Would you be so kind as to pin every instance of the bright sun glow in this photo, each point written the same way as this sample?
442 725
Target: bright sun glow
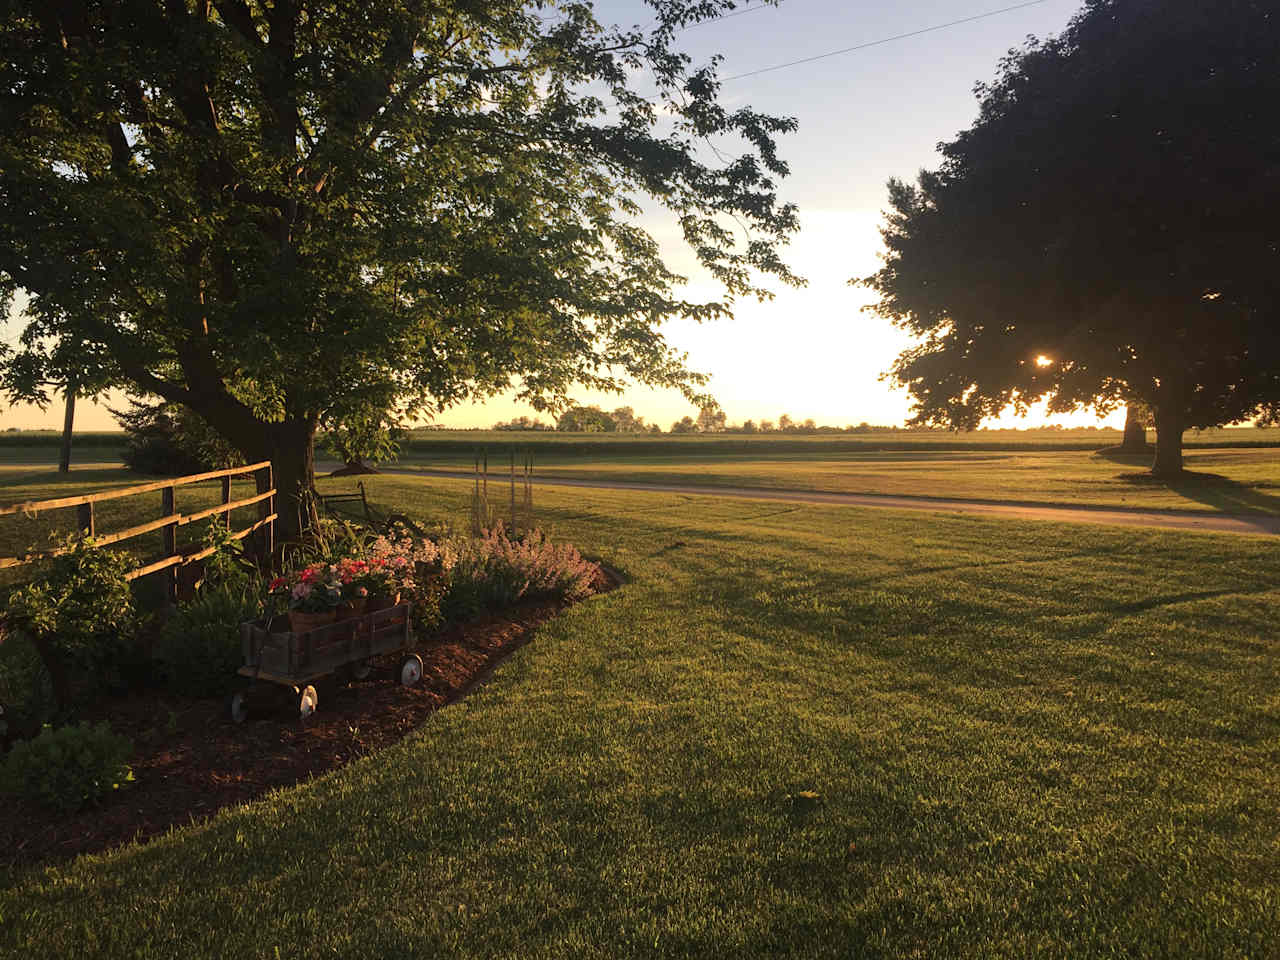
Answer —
1043 361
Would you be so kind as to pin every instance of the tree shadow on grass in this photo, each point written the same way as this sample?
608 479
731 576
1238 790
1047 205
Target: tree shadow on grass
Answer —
1211 489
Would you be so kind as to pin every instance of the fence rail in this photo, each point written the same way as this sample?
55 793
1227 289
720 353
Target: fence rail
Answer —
169 521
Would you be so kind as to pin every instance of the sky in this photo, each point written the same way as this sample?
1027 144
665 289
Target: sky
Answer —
864 116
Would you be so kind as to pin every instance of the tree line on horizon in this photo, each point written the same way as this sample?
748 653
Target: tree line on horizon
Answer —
594 419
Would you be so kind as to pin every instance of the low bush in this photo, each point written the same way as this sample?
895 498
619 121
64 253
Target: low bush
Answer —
79 617
494 571
198 649
26 693
66 769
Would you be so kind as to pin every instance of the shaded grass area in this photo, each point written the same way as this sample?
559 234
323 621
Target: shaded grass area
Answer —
1229 480
805 731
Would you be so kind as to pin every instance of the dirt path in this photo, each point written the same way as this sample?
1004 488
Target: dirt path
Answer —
1202 521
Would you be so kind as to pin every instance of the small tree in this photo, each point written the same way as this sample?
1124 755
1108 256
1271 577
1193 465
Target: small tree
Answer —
170 439
585 420
1136 417
626 421
711 419
684 425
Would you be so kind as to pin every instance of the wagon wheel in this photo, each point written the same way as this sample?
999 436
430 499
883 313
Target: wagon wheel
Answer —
361 669
238 705
411 670
308 701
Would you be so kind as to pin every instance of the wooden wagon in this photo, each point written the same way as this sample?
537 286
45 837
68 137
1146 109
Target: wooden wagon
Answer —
296 661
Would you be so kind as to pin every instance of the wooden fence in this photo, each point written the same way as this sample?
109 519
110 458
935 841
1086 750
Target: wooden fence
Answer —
169 521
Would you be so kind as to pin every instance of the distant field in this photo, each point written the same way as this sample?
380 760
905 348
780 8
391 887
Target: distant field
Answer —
1231 479
464 443
41 445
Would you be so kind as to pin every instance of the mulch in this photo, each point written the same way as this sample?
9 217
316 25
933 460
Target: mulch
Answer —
190 760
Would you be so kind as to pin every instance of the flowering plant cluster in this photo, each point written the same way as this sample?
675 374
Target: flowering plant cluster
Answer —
363 580
404 555
495 571
313 589
460 576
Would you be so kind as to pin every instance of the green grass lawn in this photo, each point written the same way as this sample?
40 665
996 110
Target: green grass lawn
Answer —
1024 740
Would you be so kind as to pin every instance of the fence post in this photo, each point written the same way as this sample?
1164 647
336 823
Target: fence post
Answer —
84 519
168 507
265 480
226 498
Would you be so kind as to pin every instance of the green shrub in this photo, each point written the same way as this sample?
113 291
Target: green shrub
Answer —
427 598
26 695
67 768
199 647
79 616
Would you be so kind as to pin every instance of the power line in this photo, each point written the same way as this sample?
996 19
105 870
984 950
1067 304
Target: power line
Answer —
876 43
736 13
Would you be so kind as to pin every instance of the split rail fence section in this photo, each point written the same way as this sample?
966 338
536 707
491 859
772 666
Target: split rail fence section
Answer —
168 522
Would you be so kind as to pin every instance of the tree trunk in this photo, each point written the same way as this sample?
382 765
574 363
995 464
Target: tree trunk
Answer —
1135 431
1170 424
68 421
291 450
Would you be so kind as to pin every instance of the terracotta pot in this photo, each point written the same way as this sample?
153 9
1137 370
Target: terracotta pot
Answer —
301 622
380 603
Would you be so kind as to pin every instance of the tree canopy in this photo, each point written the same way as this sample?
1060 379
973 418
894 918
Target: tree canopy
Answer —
287 213
590 419
1107 230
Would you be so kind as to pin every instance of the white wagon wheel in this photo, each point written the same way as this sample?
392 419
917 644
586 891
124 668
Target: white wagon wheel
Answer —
238 706
411 670
308 701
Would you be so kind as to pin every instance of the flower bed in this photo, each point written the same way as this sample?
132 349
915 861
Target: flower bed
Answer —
188 759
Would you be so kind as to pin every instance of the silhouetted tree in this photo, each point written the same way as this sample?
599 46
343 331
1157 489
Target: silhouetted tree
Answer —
585 420
684 425
626 421
711 420
1108 230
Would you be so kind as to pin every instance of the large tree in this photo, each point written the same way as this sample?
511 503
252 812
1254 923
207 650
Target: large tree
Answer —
294 212
1108 231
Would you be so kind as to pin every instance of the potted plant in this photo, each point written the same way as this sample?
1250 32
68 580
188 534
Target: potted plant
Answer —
361 581
312 596
400 563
